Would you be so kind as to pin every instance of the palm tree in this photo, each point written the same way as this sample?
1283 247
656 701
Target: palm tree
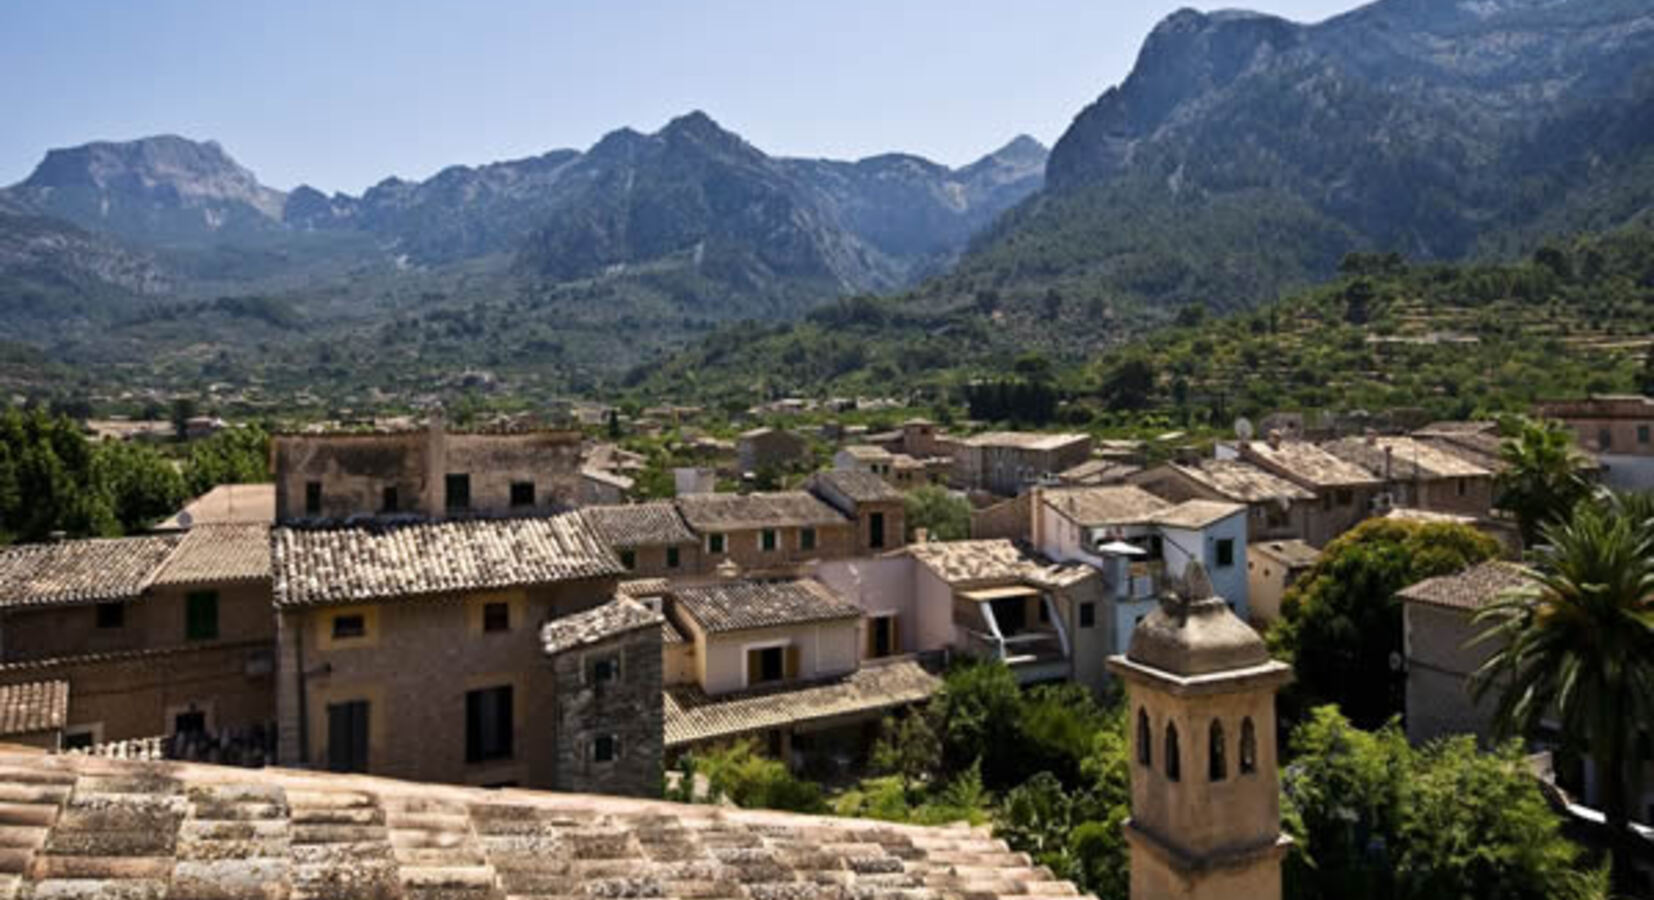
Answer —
1541 482
1575 646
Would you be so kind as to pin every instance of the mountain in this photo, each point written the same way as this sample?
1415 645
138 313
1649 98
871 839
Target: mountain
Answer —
1245 153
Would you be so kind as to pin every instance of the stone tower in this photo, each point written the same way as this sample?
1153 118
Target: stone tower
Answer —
1205 788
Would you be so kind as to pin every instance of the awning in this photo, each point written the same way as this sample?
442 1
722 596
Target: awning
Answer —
989 595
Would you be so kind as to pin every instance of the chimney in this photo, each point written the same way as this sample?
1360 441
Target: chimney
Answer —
1275 438
921 535
1371 436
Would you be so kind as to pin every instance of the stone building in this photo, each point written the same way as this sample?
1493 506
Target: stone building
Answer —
430 472
767 531
1008 462
1277 509
1417 474
154 636
415 650
770 449
1437 635
1271 568
608 728
1345 493
1618 429
651 539
33 713
1205 784
876 507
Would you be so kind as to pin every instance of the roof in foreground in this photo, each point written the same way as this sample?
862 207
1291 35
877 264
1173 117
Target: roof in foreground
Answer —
653 524
348 565
600 623
212 554
33 707
226 504
1470 589
692 716
81 571
776 509
104 827
739 605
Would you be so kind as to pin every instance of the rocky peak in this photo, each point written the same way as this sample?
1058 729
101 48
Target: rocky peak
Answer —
192 171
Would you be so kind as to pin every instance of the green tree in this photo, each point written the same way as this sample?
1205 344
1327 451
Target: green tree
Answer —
751 780
232 456
183 410
979 710
1129 385
1577 645
141 485
1541 482
908 749
1375 818
1341 623
944 516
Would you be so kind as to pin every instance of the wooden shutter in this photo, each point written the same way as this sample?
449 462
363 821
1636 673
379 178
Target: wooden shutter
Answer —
872 649
755 666
792 661
896 635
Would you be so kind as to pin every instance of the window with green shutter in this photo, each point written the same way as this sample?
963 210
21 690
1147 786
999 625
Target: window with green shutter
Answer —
201 616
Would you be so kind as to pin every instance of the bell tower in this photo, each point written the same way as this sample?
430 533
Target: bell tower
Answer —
1205 787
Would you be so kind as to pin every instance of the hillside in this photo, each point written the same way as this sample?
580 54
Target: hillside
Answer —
1444 339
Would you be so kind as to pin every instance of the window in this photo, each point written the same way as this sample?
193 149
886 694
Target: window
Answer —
351 626
522 493
1345 496
312 498
671 557
807 539
714 543
201 616
770 664
1174 760
347 736
1248 747
496 617
604 669
1217 764
388 501
78 740
1605 439
1145 739
628 558
1463 485
606 748
111 615
1642 434
1088 615
488 728
1226 552
192 722
1326 503
766 540
875 530
881 637
457 492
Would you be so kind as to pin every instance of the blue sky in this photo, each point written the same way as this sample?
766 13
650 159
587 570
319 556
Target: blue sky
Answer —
341 94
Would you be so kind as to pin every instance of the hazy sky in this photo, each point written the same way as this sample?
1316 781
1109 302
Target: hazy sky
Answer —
342 93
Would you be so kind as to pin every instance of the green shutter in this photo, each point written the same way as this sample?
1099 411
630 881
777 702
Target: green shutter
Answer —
201 616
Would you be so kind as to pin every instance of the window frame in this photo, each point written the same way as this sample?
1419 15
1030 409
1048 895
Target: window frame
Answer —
674 558
806 538
769 540
390 500
1223 553
628 559
201 616
111 616
360 633
492 608
1088 614
480 747
451 498
312 498
613 756
518 502
717 543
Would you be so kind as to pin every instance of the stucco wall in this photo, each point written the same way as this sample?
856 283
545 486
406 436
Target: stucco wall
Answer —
823 649
1439 664
880 586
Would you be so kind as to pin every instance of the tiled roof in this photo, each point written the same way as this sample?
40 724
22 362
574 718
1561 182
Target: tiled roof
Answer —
1025 440
1309 464
81 571
778 509
1404 458
87 826
654 524
859 487
1196 513
967 562
1294 553
347 565
226 504
218 553
1244 482
612 479
1443 429
739 605
599 623
865 452
1470 589
692 716
1098 471
33 707
1414 514
1115 504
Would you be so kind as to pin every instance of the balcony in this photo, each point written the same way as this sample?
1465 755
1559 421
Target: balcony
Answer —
1018 626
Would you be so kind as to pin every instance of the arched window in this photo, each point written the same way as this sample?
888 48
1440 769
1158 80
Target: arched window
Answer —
1249 747
1217 762
1145 739
1174 759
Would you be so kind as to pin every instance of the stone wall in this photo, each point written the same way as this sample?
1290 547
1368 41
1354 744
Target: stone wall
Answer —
626 710
745 548
154 621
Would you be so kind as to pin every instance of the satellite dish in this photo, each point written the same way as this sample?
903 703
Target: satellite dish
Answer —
185 520
1244 430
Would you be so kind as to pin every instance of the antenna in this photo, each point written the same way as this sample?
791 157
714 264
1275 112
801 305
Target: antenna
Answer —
1244 430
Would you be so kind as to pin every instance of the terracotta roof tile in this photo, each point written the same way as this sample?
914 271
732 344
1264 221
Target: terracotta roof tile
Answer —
1405 458
967 562
1025 440
739 605
654 524
857 486
1309 464
1294 553
599 623
227 504
779 509
218 553
692 716
1196 513
1116 504
1244 482
349 565
32 707
81 571
1470 589
111 827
